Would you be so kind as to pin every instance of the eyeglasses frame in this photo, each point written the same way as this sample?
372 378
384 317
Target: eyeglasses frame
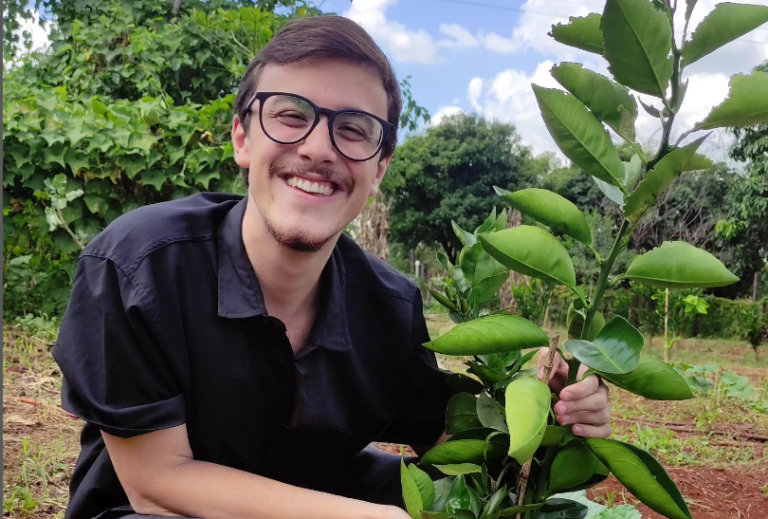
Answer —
387 127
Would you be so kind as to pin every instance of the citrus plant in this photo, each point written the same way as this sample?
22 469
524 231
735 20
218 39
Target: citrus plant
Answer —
507 456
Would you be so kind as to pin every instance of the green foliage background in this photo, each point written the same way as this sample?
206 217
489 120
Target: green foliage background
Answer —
131 105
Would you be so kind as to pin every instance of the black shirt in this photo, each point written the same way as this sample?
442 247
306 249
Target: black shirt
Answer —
167 326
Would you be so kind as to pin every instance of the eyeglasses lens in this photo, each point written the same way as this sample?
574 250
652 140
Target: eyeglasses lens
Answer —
288 119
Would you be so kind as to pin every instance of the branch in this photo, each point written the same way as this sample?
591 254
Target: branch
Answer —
176 7
68 229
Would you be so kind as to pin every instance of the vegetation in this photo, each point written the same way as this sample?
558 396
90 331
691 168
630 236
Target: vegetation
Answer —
502 424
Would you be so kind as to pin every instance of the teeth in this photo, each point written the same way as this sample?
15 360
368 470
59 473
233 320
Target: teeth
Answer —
310 187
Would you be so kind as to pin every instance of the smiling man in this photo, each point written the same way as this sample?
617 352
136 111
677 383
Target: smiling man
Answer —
233 357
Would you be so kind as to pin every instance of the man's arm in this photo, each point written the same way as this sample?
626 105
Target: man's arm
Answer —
160 477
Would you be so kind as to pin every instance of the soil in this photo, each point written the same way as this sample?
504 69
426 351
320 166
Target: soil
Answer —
738 492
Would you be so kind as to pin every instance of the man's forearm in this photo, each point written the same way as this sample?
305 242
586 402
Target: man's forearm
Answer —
201 489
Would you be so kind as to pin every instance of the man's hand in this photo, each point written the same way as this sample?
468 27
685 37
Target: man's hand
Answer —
584 404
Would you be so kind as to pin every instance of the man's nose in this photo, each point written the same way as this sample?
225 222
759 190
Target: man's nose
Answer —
317 146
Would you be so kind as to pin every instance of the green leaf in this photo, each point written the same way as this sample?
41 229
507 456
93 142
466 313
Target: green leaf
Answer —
490 334
658 180
642 475
745 105
609 101
495 501
483 273
679 265
155 178
698 162
616 349
490 413
724 24
442 489
76 134
580 32
464 451
440 298
425 485
575 323
142 141
531 251
462 497
76 159
514 510
559 508
579 134
652 379
573 465
457 469
551 209
96 204
552 435
413 502
461 413
465 237
528 403
488 224
638 40
54 153
460 383
487 374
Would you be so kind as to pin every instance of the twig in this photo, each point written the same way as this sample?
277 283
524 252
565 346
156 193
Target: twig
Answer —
525 471
37 403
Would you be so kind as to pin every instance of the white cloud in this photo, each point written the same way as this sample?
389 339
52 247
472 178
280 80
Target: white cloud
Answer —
402 44
460 38
508 98
442 113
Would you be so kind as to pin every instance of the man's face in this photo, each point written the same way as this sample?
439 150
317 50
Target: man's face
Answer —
277 172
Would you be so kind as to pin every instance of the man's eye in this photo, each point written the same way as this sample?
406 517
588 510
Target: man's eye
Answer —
292 117
352 132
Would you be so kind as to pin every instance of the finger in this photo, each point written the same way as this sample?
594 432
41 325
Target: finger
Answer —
592 431
594 402
580 389
601 417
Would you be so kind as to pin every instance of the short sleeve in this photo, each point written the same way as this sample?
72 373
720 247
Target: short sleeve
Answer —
116 376
421 420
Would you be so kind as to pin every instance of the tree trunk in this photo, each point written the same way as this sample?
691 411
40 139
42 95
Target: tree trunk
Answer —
374 229
755 286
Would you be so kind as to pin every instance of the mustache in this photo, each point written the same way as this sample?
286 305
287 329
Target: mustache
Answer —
328 173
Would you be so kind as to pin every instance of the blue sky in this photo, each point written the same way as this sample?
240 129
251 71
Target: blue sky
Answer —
482 56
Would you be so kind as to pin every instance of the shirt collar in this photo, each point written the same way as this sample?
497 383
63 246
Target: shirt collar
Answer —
240 295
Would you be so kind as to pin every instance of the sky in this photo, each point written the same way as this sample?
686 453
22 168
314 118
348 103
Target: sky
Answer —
482 56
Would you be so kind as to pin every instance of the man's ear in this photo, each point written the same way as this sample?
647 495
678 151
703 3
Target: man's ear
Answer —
241 144
381 170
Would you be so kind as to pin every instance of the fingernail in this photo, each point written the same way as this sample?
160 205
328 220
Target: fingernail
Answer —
578 429
565 419
541 373
567 395
563 409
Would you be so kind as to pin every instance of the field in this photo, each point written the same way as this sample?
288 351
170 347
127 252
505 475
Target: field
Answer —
715 446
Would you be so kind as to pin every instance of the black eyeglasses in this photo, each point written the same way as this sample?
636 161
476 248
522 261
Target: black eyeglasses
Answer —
289 118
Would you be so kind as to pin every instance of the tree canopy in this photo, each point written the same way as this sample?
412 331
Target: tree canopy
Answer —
448 173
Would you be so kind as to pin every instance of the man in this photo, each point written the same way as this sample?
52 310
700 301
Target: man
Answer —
234 357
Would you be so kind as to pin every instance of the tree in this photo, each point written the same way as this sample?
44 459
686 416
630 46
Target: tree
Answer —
448 174
744 227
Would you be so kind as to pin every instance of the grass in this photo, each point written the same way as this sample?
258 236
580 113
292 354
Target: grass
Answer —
41 441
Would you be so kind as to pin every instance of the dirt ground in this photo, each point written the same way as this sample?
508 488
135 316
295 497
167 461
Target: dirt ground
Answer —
714 448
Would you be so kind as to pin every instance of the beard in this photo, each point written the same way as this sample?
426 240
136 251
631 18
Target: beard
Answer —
296 241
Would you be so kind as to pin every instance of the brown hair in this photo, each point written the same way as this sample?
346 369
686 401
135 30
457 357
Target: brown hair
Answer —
323 38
